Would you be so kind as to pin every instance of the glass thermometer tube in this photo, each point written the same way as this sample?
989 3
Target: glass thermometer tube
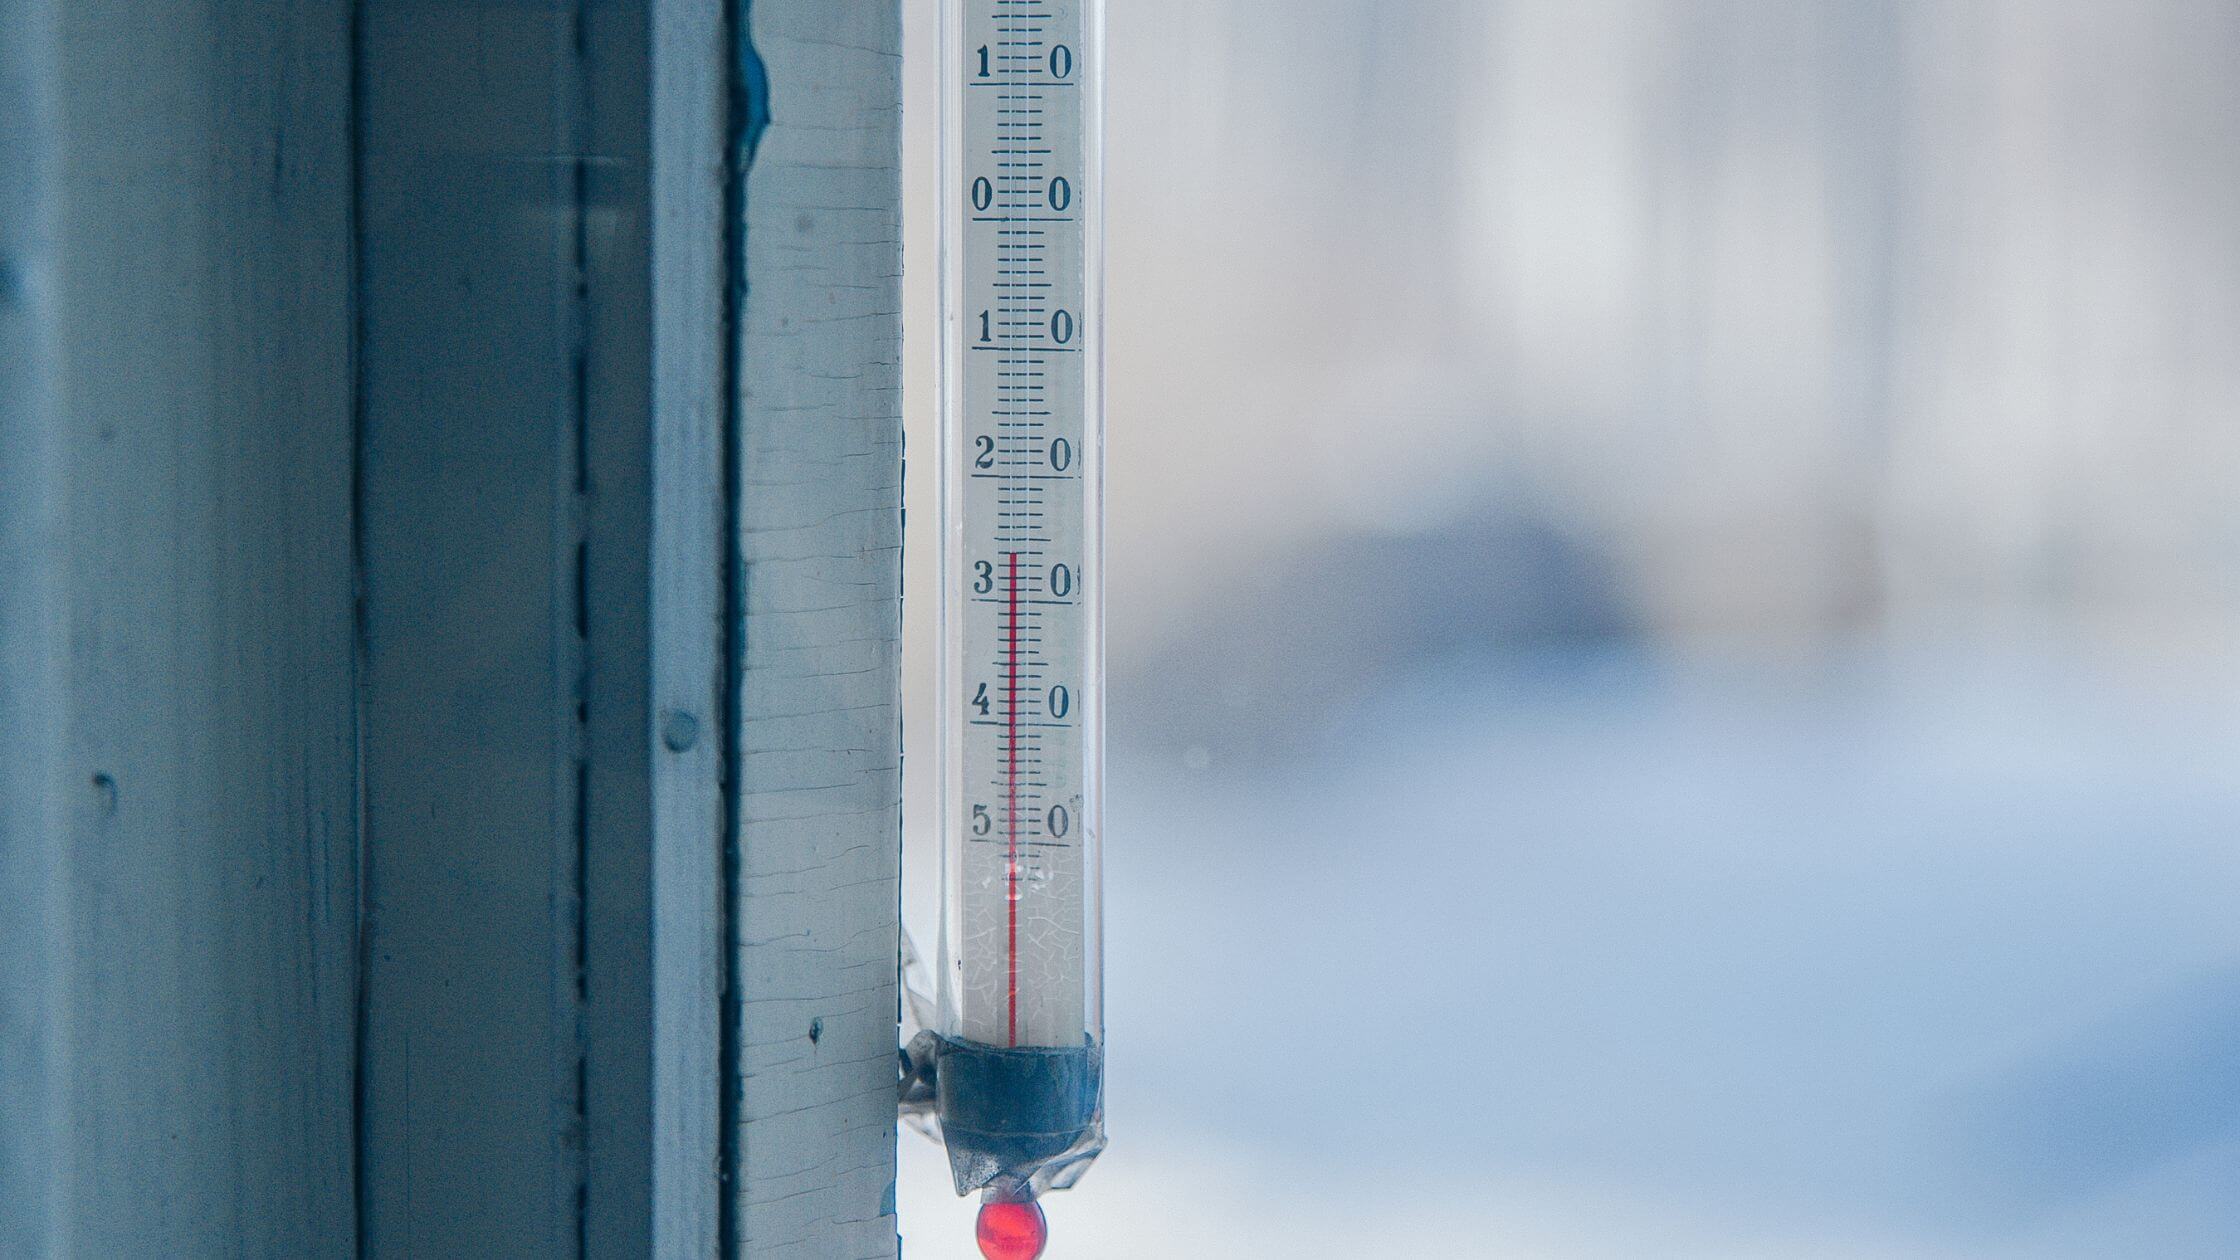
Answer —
1020 1019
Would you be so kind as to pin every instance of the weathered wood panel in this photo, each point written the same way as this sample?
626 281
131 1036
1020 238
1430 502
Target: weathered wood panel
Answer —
616 486
472 234
542 440
540 326
176 874
34 646
691 94
818 757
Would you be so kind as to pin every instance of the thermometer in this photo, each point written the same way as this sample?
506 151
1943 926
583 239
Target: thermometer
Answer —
1017 1043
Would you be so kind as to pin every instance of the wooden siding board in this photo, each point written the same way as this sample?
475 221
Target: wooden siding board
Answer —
473 1131
818 758
691 95
186 785
35 1163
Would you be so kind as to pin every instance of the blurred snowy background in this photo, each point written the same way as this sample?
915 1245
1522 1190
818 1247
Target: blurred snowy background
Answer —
1675 607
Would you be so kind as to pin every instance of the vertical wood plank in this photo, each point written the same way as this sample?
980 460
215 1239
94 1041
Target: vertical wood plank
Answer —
617 839
35 1164
543 489
543 295
471 233
818 758
178 809
691 95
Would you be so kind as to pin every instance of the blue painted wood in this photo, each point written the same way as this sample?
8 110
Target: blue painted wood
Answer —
818 826
543 414
537 697
35 792
691 95
177 885
472 227
614 43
